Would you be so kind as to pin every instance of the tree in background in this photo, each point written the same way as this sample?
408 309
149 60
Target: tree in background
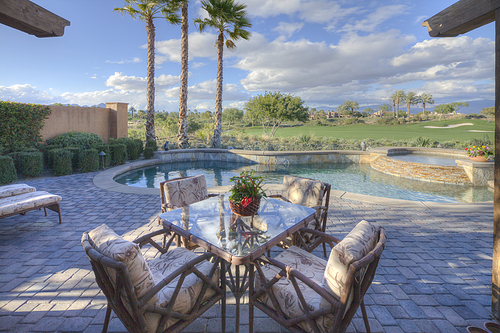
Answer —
272 109
147 10
449 108
132 110
396 98
182 135
489 113
232 115
410 99
348 106
425 99
230 20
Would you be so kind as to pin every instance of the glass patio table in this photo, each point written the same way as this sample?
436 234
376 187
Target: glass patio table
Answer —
238 240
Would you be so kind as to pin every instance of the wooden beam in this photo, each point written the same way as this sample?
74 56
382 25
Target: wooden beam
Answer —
29 17
461 17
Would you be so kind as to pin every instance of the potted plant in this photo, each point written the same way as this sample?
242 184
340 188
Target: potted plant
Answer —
480 153
246 193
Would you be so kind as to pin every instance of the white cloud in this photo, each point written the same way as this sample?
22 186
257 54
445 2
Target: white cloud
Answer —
288 28
24 93
206 91
133 83
374 19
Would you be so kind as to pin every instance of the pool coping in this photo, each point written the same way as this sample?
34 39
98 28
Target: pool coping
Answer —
104 180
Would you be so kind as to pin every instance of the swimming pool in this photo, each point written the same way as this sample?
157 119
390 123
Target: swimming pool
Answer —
354 178
429 159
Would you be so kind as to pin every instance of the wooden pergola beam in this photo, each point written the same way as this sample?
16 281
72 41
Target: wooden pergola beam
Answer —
461 17
29 17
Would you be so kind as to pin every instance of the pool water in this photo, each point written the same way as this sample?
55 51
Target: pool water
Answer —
429 159
354 178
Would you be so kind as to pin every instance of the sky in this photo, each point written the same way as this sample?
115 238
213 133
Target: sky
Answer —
323 51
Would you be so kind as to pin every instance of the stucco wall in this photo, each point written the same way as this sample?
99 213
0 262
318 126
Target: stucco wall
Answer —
110 122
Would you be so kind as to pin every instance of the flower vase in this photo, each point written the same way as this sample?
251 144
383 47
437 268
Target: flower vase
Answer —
249 210
479 159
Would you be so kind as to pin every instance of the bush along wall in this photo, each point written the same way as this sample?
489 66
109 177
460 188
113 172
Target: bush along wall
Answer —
76 139
152 144
48 155
118 153
76 155
21 124
148 152
7 170
31 164
61 162
107 157
89 160
134 147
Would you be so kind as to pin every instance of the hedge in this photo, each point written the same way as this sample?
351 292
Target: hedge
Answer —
118 153
76 155
74 138
89 160
61 162
148 152
107 157
152 144
134 147
21 124
7 170
31 164
48 154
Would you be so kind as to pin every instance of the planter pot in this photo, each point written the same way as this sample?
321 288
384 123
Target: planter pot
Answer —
479 159
249 210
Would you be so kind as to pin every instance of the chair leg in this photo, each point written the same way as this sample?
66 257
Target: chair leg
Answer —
106 319
365 317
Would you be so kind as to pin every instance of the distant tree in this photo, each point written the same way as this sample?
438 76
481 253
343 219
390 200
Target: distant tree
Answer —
141 114
132 110
425 99
458 105
396 98
321 114
232 115
230 20
207 115
443 109
350 105
410 99
489 113
384 108
368 110
274 108
147 10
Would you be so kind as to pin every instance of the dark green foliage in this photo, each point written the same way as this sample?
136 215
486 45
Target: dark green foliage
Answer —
61 162
21 124
89 160
118 153
148 152
48 154
134 147
15 155
76 155
152 144
81 139
107 158
140 145
7 170
31 164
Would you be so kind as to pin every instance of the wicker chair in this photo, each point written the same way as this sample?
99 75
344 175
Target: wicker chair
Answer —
179 192
305 293
165 294
311 193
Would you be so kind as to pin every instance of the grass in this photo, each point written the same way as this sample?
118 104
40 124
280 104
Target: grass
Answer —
392 132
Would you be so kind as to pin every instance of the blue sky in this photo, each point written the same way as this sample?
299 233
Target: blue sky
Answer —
326 52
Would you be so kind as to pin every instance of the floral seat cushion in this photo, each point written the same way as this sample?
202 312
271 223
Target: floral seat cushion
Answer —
304 192
26 201
15 189
185 191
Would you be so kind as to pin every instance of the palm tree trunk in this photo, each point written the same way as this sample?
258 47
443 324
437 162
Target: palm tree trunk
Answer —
150 118
216 141
423 105
397 107
182 135
394 108
408 110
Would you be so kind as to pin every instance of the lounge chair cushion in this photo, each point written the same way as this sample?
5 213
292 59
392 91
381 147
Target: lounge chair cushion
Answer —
186 191
361 240
15 189
26 201
311 266
166 264
300 191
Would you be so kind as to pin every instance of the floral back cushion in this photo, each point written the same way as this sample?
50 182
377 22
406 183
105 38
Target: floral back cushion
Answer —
185 191
302 191
361 240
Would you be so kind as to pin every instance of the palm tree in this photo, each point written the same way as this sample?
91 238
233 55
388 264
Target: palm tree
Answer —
182 135
397 97
147 10
425 98
223 15
411 99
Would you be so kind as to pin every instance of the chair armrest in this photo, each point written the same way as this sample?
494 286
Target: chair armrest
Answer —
320 238
210 195
278 196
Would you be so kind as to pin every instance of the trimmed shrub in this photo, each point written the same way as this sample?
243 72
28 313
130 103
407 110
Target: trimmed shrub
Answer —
61 162
89 160
140 145
107 158
81 139
148 152
47 154
7 170
31 164
152 144
133 147
76 155
118 153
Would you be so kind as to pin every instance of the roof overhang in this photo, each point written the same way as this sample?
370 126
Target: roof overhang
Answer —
29 17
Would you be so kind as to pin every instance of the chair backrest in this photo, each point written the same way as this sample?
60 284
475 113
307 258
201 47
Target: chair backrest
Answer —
113 278
305 191
184 191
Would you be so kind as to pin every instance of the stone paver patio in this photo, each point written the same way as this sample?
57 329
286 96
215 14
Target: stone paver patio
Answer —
434 275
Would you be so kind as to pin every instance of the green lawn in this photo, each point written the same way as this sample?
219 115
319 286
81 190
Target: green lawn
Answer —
394 132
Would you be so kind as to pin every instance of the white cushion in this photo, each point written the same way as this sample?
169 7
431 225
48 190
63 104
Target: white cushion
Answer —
15 189
182 192
22 202
301 191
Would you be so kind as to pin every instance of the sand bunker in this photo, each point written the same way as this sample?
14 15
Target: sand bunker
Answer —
480 131
451 126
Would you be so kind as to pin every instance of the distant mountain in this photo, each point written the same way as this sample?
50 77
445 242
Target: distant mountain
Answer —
475 107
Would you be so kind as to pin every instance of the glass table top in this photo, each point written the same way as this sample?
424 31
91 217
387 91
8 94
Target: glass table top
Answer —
213 221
